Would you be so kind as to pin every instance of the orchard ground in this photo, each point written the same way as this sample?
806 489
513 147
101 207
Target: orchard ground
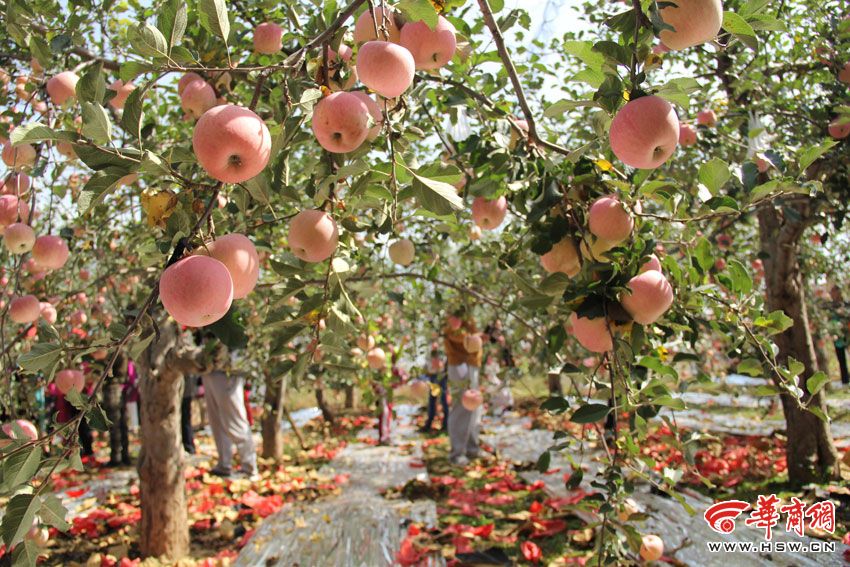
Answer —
496 511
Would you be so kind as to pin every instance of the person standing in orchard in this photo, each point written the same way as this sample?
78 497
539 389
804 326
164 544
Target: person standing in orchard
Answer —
225 397
437 375
463 353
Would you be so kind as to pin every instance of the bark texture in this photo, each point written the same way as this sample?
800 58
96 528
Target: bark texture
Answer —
811 453
164 529
273 416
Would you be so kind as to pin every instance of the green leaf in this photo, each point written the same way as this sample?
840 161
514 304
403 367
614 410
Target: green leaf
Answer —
714 174
418 11
750 367
131 120
563 106
96 123
132 69
99 186
42 357
38 132
26 554
556 404
172 21
92 86
53 512
816 381
704 254
148 41
20 468
807 156
214 17
679 91
97 419
738 26
740 277
436 196
41 51
230 330
543 462
590 413
775 322
584 51
18 518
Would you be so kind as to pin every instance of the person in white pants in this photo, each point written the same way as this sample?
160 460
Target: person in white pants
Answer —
225 397
463 370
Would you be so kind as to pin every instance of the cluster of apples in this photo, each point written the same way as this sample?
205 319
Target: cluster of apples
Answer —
376 358
688 133
645 132
389 53
649 294
199 289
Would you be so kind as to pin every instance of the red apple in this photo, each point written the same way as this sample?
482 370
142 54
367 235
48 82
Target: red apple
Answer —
693 22
232 143
385 67
313 235
489 214
648 297
196 291
645 132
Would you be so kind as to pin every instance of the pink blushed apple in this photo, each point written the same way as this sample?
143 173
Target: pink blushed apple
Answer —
376 358
431 49
488 214
313 235
706 117
693 21
19 238
648 296
122 92
341 122
838 130
196 291
687 135
13 209
232 143
197 98
609 220
385 67
472 399
70 379
367 22
62 87
19 157
238 254
50 252
186 80
645 132
268 38
592 334
563 258
24 309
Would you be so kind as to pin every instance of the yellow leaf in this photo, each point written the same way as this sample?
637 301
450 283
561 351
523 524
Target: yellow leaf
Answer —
603 164
158 206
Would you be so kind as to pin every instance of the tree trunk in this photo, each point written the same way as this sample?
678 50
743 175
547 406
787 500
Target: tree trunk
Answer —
553 381
164 527
327 413
349 396
272 417
810 451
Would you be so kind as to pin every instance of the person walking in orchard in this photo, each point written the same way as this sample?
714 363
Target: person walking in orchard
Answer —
437 375
224 392
464 362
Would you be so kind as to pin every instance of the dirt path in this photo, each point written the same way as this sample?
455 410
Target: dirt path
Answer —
359 527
